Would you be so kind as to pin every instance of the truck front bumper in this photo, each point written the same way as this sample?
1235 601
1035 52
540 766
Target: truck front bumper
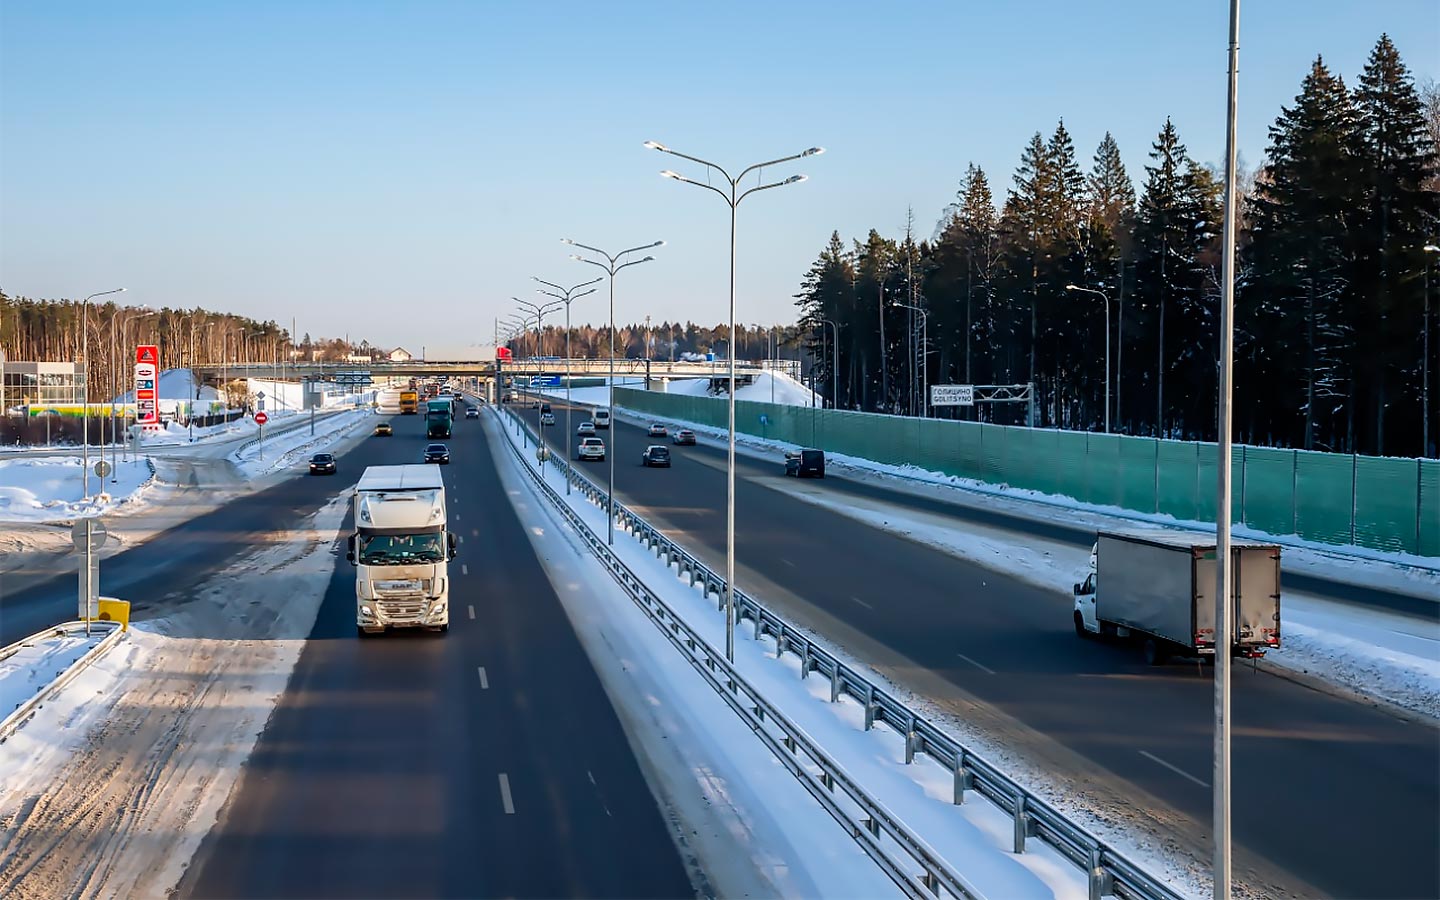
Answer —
402 612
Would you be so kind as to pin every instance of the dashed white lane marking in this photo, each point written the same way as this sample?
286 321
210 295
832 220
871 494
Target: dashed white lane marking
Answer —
471 608
862 602
464 569
484 682
977 665
1177 770
505 794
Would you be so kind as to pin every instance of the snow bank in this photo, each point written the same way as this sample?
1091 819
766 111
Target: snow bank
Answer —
28 671
278 451
51 489
769 387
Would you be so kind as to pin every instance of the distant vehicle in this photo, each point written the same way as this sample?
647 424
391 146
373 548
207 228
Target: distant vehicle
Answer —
384 430
601 418
439 417
656 455
545 408
437 453
801 463
472 412
401 548
586 428
547 418
322 464
409 402
684 437
592 448
508 398
658 430
1156 589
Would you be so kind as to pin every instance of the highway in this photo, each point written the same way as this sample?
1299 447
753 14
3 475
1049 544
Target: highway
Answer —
484 762
1331 796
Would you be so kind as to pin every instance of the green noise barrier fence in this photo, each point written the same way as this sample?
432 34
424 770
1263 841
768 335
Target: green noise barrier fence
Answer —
1380 502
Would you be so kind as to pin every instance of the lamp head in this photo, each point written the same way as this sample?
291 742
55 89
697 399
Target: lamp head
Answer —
656 145
796 179
658 244
1071 287
669 174
566 241
814 151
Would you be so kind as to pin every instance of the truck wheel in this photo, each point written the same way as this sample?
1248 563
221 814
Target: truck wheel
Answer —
1080 626
1154 652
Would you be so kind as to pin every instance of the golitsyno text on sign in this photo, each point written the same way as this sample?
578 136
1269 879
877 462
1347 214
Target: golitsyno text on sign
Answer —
952 395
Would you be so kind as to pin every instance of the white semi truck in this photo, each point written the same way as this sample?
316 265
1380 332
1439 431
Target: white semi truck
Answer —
401 549
1157 588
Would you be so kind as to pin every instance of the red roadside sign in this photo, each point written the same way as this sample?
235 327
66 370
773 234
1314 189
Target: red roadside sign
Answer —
261 418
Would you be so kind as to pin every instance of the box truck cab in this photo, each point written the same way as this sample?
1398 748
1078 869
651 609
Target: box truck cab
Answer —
401 550
601 418
1157 588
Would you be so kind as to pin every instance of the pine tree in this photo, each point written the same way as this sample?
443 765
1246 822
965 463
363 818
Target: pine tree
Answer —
1397 158
826 295
1109 245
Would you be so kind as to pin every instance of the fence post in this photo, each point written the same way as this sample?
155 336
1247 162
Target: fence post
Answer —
1419 498
1244 463
1354 474
1157 476
1294 491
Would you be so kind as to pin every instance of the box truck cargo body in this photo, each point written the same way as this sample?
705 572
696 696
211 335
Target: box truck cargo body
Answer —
1159 588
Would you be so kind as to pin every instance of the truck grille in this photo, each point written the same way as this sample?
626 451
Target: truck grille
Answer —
402 609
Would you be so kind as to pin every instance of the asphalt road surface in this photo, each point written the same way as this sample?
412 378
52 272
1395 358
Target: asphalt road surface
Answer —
484 762
1331 796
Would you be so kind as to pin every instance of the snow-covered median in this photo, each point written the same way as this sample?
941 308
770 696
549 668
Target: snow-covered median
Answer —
52 489
31 666
975 837
279 451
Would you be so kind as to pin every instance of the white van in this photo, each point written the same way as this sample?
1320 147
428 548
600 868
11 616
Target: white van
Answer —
602 418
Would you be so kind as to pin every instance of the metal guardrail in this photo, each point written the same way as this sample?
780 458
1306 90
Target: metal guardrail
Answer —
1108 872
887 840
22 713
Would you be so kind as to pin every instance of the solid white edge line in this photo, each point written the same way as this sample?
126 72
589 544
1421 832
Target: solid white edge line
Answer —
977 665
505 794
1176 769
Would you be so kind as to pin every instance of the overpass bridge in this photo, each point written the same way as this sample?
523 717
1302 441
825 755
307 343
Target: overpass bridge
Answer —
745 372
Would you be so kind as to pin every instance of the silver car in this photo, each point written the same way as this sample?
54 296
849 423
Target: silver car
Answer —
586 428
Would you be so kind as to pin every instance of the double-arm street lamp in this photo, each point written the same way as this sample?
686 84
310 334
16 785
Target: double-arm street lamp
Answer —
732 198
924 358
612 265
538 310
85 377
1106 300
567 296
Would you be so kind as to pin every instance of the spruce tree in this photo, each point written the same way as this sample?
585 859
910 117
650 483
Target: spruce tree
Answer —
1108 240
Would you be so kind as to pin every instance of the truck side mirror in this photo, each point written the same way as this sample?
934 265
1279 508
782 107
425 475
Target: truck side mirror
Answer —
1079 589
351 557
453 544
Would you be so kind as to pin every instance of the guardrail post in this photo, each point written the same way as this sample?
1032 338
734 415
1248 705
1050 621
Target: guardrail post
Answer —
1101 884
910 739
1022 823
835 683
781 642
930 881
964 779
805 661
869 706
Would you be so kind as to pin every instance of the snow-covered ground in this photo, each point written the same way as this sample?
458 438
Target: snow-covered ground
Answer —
776 387
177 385
278 451
51 489
109 792
974 837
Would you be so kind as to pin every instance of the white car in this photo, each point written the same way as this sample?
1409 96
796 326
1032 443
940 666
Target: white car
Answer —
586 428
592 448
658 430
547 418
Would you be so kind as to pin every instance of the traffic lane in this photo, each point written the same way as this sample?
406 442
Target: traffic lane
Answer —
1013 646
187 554
1023 527
380 773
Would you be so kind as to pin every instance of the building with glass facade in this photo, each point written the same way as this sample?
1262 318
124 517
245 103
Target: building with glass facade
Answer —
41 383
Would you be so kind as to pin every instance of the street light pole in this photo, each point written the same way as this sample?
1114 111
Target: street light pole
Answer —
1106 300
567 296
612 265
1223 576
538 310
924 358
732 199
835 368
1425 361
85 397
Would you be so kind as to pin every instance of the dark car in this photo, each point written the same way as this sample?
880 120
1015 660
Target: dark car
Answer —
472 412
656 455
437 453
684 437
322 464
801 463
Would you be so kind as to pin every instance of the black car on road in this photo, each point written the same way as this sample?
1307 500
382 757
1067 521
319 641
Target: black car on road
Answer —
656 455
437 453
322 464
801 463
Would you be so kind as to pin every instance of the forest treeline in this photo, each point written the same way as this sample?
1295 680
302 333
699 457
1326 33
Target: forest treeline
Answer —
1332 280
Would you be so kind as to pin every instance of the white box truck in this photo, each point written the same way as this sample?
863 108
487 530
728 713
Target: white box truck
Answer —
401 549
1157 588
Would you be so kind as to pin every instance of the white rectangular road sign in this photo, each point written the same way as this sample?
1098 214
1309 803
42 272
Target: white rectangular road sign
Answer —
952 395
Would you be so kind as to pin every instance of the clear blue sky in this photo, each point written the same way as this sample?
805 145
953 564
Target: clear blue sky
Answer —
398 170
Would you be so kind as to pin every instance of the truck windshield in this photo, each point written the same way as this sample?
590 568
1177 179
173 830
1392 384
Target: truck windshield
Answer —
401 549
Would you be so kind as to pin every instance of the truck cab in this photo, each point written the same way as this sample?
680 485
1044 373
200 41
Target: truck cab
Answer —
439 418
